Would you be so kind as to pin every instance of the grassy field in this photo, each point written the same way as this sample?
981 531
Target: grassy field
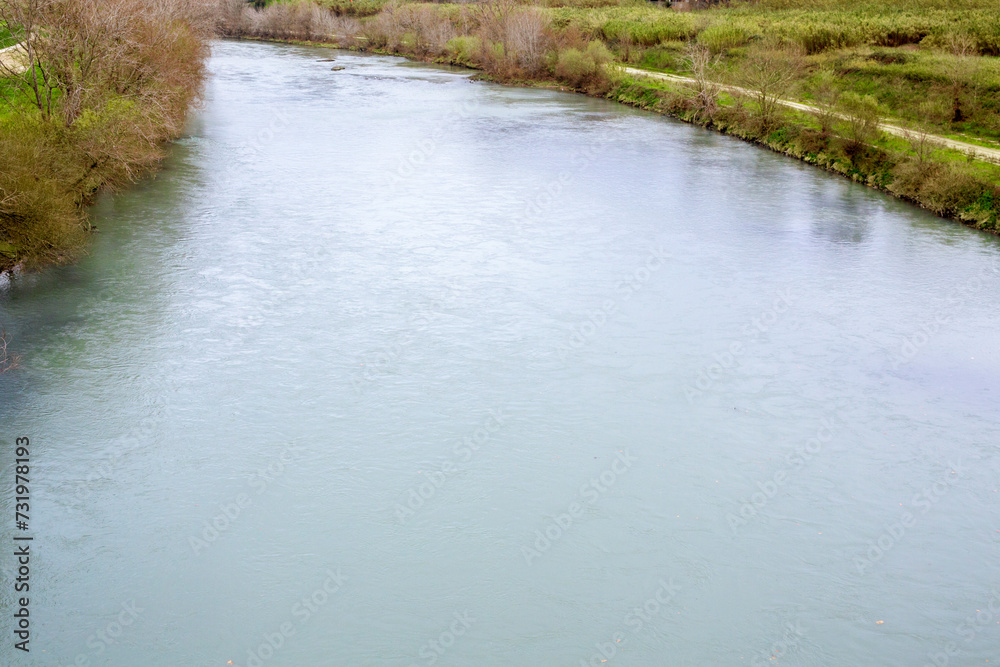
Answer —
932 66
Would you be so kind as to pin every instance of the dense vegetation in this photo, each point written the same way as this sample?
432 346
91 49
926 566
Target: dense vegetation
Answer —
927 64
104 83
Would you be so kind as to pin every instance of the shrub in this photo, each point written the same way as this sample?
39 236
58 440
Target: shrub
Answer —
346 30
385 30
323 25
39 218
815 38
599 53
301 20
356 8
573 66
524 39
813 142
767 74
864 115
231 18
578 67
941 188
516 38
464 49
701 65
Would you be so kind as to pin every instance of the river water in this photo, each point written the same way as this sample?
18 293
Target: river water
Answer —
391 367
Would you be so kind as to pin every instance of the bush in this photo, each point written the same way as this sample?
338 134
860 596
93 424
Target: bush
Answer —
524 39
767 74
578 67
301 20
516 35
574 66
815 38
464 49
355 8
40 221
941 188
864 115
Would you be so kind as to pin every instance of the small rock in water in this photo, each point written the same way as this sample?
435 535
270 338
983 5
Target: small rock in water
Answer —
326 60
336 69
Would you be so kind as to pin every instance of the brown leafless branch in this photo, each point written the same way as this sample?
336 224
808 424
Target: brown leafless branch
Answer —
8 360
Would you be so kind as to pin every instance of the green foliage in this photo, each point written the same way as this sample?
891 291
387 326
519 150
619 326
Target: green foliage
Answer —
354 7
104 124
7 38
591 4
864 114
875 6
599 53
40 221
665 56
464 49
948 190
573 65
817 27
815 37
496 51
576 67
649 33
722 36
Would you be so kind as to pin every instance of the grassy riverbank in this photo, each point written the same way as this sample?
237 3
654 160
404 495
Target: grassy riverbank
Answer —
928 65
107 83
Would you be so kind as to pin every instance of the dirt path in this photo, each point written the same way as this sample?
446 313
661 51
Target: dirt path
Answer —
13 60
980 152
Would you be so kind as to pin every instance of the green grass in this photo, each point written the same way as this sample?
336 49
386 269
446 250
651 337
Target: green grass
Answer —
6 38
918 86
357 8
817 29
902 53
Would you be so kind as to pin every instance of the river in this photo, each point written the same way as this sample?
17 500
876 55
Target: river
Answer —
387 366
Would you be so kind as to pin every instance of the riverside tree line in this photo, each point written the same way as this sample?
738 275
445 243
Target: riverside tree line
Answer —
86 101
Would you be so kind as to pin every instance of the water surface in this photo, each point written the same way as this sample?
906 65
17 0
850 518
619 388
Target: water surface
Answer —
474 375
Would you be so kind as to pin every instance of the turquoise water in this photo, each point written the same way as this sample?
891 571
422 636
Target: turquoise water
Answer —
390 367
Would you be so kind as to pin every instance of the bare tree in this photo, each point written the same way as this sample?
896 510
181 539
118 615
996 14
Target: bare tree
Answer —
8 361
963 66
513 34
24 17
920 142
83 52
767 75
826 94
864 116
701 63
